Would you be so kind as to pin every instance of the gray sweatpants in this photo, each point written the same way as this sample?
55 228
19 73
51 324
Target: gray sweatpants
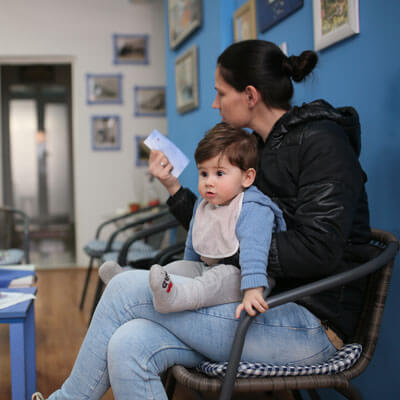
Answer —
209 286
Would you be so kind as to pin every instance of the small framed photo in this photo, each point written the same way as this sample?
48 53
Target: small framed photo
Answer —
270 12
184 17
186 81
131 49
149 101
106 133
334 21
142 152
245 22
104 88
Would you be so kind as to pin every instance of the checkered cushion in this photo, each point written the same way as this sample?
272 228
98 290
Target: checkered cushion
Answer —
11 257
340 361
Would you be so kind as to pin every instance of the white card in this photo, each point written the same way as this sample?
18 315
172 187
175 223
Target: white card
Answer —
157 141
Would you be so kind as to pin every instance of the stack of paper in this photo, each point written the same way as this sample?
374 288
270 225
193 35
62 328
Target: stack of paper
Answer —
13 276
8 299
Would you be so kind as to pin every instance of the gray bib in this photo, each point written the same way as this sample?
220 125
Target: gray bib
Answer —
214 229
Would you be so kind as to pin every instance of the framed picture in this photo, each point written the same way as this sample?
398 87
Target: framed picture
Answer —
184 17
130 49
245 22
334 20
149 101
186 81
270 12
142 151
106 133
104 88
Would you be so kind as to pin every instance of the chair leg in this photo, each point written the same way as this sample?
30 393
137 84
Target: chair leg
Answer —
313 395
97 296
88 273
170 383
351 392
297 395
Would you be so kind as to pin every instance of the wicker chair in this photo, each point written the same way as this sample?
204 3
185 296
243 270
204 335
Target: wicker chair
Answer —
379 272
13 249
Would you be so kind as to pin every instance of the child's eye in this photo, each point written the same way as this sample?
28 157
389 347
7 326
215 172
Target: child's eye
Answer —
220 173
203 174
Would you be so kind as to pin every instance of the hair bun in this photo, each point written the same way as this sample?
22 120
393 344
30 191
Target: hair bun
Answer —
298 67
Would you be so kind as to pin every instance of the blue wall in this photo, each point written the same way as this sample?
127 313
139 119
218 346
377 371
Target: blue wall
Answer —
362 71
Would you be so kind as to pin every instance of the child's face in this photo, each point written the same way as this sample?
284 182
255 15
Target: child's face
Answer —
220 181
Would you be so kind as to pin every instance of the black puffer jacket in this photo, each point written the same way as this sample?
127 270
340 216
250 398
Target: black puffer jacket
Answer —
309 167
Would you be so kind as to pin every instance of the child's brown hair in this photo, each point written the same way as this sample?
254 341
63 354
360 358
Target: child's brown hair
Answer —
239 146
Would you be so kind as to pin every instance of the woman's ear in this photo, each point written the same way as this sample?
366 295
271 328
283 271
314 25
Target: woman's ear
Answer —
248 177
252 94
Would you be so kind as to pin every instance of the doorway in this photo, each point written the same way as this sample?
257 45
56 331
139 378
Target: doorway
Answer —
37 156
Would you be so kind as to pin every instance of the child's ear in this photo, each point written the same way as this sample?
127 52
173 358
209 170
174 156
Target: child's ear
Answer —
248 178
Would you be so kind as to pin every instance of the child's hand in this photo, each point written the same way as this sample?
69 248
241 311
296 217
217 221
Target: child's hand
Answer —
252 299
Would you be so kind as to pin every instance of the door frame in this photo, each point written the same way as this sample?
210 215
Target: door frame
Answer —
4 126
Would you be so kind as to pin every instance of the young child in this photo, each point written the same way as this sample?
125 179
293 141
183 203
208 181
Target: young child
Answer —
229 236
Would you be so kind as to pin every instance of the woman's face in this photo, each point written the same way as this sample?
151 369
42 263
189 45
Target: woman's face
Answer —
232 105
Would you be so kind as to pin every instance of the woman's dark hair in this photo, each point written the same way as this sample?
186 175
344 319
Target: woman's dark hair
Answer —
263 65
236 144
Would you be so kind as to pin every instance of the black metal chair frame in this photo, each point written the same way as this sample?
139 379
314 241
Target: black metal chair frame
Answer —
140 264
379 270
113 236
26 234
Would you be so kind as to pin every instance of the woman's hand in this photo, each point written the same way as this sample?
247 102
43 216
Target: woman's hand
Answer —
252 300
160 167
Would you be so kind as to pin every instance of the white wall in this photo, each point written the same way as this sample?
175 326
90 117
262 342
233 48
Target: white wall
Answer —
81 31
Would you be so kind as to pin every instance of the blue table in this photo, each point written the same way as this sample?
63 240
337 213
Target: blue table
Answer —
21 319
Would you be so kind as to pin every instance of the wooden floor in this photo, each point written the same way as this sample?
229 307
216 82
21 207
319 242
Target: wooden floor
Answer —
60 328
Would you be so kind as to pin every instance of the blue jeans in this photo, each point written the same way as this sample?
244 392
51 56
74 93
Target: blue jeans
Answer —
128 343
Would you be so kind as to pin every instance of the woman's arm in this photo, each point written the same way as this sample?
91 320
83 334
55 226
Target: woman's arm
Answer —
330 183
182 200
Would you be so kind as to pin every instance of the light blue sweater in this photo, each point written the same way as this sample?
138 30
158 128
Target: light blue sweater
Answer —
259 217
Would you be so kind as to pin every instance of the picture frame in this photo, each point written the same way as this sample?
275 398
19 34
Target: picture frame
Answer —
104 88
245 22
271 12
142 151
106 132
149 101
131 48
184 17
334 21
186 81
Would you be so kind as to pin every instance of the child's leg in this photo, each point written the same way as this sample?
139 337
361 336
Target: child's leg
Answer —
108 270
217 285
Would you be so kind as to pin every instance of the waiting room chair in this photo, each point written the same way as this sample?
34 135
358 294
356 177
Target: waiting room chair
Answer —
137 257
96 248
13 249
349 362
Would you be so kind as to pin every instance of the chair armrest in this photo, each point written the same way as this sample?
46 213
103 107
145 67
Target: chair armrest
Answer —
164 256
138 222
26 221
126 215
143 234
373 265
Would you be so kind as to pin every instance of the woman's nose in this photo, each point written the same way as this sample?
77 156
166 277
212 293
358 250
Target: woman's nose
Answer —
215 103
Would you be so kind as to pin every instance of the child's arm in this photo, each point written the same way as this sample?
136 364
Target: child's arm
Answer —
252 300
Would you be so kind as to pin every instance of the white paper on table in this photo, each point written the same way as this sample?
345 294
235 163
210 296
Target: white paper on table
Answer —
8 299
157 141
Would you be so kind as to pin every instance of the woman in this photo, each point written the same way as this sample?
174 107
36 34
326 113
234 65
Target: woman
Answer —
309 166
